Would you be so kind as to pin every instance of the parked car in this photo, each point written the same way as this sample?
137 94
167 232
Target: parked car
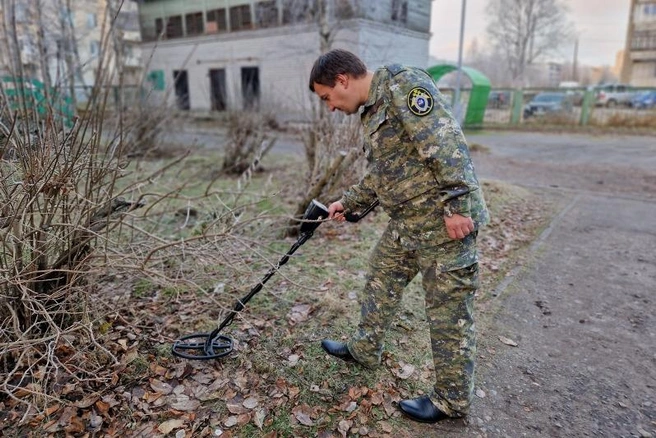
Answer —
644 100
548 103
612 95
575 90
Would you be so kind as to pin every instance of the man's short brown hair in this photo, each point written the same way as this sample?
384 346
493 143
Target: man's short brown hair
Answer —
333 63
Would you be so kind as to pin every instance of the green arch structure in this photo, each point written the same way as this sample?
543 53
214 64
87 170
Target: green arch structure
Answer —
477 97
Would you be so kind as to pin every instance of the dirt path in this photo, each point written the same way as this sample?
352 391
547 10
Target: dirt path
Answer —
582 308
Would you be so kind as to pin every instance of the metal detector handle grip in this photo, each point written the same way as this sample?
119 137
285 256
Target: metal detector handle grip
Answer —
354 217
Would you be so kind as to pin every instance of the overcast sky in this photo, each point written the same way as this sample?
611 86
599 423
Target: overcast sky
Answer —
601 25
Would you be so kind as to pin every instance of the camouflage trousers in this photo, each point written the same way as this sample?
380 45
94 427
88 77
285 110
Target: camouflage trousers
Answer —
449 294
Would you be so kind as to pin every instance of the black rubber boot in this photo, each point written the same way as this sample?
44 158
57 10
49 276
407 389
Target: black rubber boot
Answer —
337 349
422 409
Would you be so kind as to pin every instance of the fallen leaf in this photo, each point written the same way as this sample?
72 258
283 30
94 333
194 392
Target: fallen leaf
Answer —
259 417
87 401
102 407
235 406
230 421
184 403
344 426
302 414
52 409
508 341
405 371
168 426
299 313
293 359
377 398
250 403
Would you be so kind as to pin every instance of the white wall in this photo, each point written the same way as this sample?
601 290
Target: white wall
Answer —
284 57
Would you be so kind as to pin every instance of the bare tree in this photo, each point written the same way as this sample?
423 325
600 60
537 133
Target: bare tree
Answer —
526 30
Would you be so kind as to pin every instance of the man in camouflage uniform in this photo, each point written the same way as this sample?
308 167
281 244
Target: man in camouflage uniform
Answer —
419 169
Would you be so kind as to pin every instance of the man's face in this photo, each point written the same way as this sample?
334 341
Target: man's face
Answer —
341 97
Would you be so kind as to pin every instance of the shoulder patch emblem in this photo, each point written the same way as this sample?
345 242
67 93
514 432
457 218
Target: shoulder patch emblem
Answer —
420 101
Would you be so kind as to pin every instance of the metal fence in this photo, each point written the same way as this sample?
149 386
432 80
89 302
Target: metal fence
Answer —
563 107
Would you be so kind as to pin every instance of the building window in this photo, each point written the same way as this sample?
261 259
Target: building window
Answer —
218 89
250 87
240 17
194 23
266 14
216 21
174 27
91 21
296 11
400 11
344 9
181 85
644 40
645 12
159 27
94 48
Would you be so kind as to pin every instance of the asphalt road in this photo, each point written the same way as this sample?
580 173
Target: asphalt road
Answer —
582 308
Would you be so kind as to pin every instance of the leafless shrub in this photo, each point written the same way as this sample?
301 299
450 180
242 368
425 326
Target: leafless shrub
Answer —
248 137
73 210
632 119
334 155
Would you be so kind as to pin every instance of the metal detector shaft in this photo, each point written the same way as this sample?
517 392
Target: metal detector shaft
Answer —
213 345
239 306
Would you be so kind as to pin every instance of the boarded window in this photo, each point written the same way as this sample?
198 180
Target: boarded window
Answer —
250 87
266 14
159 27
216 21
181 85
194 23
218 89
297 11
174 27
240 17
344 9
400 11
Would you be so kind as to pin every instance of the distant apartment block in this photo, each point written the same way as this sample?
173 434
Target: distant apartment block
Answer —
214 55
64 40
639 64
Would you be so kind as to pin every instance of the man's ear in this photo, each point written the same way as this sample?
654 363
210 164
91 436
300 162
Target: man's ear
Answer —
342 79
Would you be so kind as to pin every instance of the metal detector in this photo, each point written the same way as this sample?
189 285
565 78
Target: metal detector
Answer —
205 346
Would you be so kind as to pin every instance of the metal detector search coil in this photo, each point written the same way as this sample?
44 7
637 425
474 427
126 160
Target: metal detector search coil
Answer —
205 346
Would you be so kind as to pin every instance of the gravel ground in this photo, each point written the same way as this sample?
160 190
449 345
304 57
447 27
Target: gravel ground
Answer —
581 308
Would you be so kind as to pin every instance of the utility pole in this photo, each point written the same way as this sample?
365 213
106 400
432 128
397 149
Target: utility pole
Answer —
457 107
575 68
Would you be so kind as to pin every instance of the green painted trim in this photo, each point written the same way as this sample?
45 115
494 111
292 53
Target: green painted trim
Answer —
517 107
477 97
586 105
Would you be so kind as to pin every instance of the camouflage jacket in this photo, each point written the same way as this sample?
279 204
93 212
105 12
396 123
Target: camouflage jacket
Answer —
418 160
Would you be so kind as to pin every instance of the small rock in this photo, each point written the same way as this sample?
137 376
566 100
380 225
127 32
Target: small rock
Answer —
643 433
480 393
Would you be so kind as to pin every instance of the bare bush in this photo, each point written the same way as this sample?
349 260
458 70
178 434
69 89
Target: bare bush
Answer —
75 210
334 154
248 138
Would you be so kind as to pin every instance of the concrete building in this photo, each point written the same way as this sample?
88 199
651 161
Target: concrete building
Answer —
639 63
237 54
